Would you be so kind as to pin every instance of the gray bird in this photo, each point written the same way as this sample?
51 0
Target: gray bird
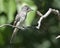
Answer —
19 19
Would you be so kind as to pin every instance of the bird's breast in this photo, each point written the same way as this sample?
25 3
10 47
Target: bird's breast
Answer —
23 14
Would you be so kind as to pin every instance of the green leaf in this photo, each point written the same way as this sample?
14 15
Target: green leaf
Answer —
56 4
11 10
1 40
1 5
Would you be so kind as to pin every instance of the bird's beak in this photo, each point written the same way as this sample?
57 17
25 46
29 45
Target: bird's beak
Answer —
30 9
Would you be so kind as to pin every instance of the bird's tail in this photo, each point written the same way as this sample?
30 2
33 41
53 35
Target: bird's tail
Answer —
14 33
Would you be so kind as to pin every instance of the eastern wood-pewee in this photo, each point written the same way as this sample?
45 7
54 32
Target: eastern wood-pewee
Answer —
19 19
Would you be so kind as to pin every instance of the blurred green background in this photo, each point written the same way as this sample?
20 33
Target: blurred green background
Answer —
31 37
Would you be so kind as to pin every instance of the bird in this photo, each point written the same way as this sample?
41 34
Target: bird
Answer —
19 19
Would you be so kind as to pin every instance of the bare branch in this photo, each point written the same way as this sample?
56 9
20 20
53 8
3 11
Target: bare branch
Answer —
39 13
58 37
45 15
9 25
55 11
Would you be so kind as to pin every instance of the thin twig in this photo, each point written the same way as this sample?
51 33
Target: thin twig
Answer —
39 13
58 37
9 25
45 15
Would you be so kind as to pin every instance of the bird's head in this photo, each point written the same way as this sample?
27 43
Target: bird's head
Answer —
26 8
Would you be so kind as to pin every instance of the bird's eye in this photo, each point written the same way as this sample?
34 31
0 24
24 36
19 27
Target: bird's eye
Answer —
27 8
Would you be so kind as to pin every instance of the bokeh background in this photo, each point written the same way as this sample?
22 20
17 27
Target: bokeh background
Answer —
45 37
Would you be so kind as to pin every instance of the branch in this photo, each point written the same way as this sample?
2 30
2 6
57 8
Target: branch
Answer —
39 13
9 25
58 37
45 15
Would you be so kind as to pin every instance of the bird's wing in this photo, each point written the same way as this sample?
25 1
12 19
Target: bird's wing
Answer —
14 33
17 18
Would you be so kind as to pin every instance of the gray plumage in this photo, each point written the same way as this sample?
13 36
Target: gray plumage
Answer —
19 19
